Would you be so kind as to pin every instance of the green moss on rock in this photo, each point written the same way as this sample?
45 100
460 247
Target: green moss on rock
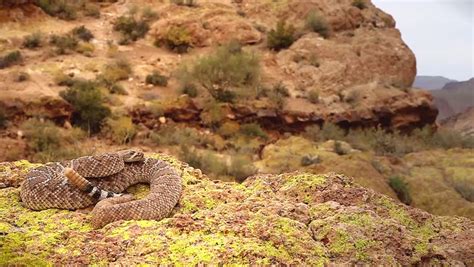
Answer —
291 219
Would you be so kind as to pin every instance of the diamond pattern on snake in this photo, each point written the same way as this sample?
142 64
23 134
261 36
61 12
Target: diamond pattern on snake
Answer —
100 179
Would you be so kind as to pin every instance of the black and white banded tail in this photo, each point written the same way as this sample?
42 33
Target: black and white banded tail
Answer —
84 185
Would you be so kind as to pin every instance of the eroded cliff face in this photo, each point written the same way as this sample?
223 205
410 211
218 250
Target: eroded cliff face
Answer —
295 218
362 72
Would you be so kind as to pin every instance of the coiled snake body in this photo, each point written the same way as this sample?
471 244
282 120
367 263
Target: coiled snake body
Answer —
107 175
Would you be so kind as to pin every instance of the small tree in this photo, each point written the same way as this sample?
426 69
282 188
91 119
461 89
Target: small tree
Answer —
88 104
281 37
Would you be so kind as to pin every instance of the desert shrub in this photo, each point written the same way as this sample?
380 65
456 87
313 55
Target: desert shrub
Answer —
118 89
308 160
401 189
189 3
177 38
253 130
89 111
81 32
446 138
360 4
64 44
241 167
338 148
3 119
169 135
190 89
281 37
92 10
281 89
149 15
121 130
131 28
22 76
465 188
62 79
62 9
313 96
228 129
10 59
117 70
49 142
87 49
223 71
316 23
33 40
212 114
328 131
352 97
156 79
207 161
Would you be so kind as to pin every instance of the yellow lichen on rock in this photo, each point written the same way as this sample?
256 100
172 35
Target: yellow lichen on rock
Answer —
295 218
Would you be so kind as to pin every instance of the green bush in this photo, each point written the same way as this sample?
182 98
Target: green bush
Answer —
465 188
177 38
22 76
338 149
118 89
3 119
131 28
253 130
190 89
81 32
156 79
316 23
241 167
189 3
207 161
51 143
228 129
401 189
212 114
10 59
92 10
360 4
328 131
281 37
88 104
313 96
121 130
62 79
34 40
223 71
62 9
117 70
64 44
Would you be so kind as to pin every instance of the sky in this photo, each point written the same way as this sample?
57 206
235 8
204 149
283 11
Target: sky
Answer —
439 32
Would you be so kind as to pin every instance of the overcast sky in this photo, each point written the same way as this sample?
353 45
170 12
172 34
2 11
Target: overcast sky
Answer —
440 33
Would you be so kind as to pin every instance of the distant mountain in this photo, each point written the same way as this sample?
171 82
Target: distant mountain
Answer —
462 122
431 82
453 98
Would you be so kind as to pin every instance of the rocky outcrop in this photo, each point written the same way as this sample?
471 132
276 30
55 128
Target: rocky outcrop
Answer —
361 73
454 97
462 122
20 100
295 218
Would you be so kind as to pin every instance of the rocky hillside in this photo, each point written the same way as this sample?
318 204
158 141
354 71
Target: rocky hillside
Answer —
295 218
431 82
346 63
453 98
462 122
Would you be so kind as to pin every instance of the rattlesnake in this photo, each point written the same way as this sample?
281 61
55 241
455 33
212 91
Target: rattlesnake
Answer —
108 174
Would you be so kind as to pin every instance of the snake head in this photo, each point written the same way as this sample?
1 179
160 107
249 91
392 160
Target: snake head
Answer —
132 155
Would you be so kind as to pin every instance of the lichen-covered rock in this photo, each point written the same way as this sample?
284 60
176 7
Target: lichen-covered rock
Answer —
295 218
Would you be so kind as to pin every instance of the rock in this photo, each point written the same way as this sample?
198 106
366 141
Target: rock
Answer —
288 219
208 24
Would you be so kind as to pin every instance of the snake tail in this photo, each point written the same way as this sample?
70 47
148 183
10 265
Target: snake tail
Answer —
84 185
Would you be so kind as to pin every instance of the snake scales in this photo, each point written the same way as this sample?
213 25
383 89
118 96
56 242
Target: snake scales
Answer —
107 175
